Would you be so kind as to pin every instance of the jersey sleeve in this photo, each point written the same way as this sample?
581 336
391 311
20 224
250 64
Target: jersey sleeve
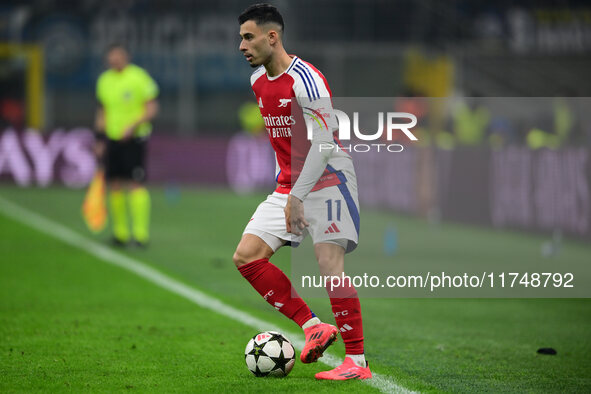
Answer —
314 97
256 74
149 87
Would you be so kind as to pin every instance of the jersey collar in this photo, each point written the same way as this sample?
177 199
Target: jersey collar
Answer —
294 58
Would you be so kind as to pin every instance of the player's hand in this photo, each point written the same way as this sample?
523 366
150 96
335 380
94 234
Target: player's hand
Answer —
99 149
128 133
294 216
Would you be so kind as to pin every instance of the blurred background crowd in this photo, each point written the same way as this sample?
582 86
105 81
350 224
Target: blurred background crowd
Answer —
489 61
374 48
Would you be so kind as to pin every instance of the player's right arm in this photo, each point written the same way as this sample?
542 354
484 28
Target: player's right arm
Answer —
99 121
99 129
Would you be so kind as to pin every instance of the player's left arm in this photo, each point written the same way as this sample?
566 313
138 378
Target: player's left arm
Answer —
150 111
318 113
149 90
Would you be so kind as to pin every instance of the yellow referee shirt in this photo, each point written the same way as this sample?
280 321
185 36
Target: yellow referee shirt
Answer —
123 96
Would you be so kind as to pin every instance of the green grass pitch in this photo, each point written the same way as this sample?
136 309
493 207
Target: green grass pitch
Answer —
69 322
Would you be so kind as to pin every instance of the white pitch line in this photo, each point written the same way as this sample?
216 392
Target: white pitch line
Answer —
108 255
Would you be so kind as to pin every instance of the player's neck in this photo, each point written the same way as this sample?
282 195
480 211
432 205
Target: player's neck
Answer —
278 64
120 68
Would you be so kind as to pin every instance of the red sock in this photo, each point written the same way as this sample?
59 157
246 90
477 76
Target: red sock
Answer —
275 287
347 313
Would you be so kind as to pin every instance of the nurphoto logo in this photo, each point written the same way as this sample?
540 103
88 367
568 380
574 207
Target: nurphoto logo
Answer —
395 122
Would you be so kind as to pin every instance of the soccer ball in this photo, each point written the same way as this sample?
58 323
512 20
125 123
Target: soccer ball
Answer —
269 354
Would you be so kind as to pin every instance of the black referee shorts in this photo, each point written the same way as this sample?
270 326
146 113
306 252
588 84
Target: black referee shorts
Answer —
126 160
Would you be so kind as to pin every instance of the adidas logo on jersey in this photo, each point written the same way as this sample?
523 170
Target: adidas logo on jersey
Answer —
346 328
261 102
332 229
278 305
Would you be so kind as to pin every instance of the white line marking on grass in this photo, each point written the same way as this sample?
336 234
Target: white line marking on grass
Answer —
108 255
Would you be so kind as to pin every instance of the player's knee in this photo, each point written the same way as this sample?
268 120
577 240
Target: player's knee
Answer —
330 265
251 248
240 258
114 185
331 258
136 185
245 254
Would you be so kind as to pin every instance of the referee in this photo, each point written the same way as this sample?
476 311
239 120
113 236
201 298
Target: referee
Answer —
127 103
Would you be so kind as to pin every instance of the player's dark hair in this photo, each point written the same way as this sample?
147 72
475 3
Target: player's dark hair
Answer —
117 45
262 13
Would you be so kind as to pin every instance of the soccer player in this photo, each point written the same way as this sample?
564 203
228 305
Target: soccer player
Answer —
322 201
127 103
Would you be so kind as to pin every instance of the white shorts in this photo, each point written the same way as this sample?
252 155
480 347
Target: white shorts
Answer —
332 212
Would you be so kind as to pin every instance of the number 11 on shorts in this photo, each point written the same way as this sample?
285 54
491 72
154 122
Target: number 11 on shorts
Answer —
329 209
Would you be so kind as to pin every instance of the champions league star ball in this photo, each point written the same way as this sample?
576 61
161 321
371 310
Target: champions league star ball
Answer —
269 354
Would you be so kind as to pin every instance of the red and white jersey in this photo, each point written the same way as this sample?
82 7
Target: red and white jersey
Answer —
285 124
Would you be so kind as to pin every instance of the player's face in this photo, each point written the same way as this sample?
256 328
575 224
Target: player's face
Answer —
117 58
255 44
